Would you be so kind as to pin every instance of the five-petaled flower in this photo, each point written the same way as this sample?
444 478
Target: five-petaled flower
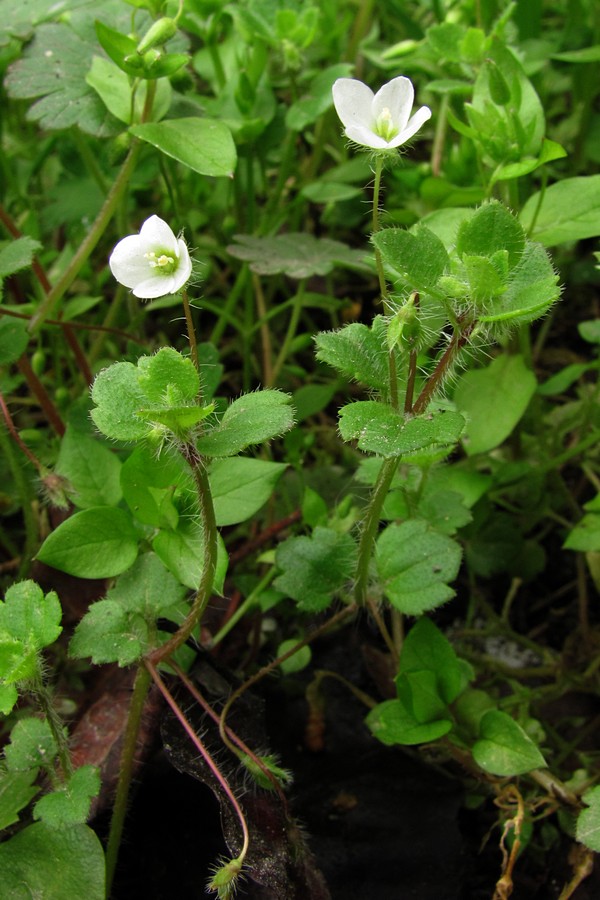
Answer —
152 263
380 121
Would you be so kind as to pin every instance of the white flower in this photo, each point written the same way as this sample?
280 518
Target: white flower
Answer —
379 121
152 263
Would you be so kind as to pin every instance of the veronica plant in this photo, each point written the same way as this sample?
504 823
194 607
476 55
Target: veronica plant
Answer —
443 289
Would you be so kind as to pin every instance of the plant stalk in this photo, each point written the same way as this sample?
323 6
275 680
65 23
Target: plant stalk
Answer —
136 708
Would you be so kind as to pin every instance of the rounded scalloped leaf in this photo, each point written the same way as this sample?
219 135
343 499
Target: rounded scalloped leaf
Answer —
118 397
168 371
29 616
415 564
41 861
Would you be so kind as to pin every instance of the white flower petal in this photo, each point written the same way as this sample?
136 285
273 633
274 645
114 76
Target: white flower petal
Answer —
184 269
420 117
152 263
353 101
156 233
398 96
365 137
153 287
127 261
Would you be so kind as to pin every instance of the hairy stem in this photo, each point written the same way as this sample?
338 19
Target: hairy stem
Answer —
209 561
136 708
370 527
383 289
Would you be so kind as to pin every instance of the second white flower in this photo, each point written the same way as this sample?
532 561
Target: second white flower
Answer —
380 121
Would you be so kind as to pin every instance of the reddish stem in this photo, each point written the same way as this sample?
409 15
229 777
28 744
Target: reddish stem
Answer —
17 437
38 389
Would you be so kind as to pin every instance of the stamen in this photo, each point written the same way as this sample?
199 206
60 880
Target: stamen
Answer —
384 125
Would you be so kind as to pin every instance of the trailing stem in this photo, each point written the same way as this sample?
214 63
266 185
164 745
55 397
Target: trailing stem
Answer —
205 755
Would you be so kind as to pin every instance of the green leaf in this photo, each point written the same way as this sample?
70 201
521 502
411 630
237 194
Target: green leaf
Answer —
585 536
585 55
14 338
506 386
240 486
310 399
300 660
29 616
419 693
251 419
19 21
503 747
590 331
392 723
314 568
426 649
168 372
357 351
16 792
118 397
95 543
92 469
18 660
147 588
161 389
122 49
491 228
378 428
70 804
31 745
181 552
531 289
114 88
588 823
8 696
417 257
17 254
203 145
549 152
108 633
415 564
570 211
152 485
60 863
53 67
295 255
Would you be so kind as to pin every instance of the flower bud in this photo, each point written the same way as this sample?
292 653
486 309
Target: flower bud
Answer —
157 35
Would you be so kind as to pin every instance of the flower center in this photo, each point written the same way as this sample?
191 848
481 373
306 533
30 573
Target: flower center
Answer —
166 264
384 125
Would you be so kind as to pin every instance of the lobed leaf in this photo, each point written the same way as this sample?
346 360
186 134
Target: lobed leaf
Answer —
378 428
314 568
251 419
415 564
41 861
295 255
